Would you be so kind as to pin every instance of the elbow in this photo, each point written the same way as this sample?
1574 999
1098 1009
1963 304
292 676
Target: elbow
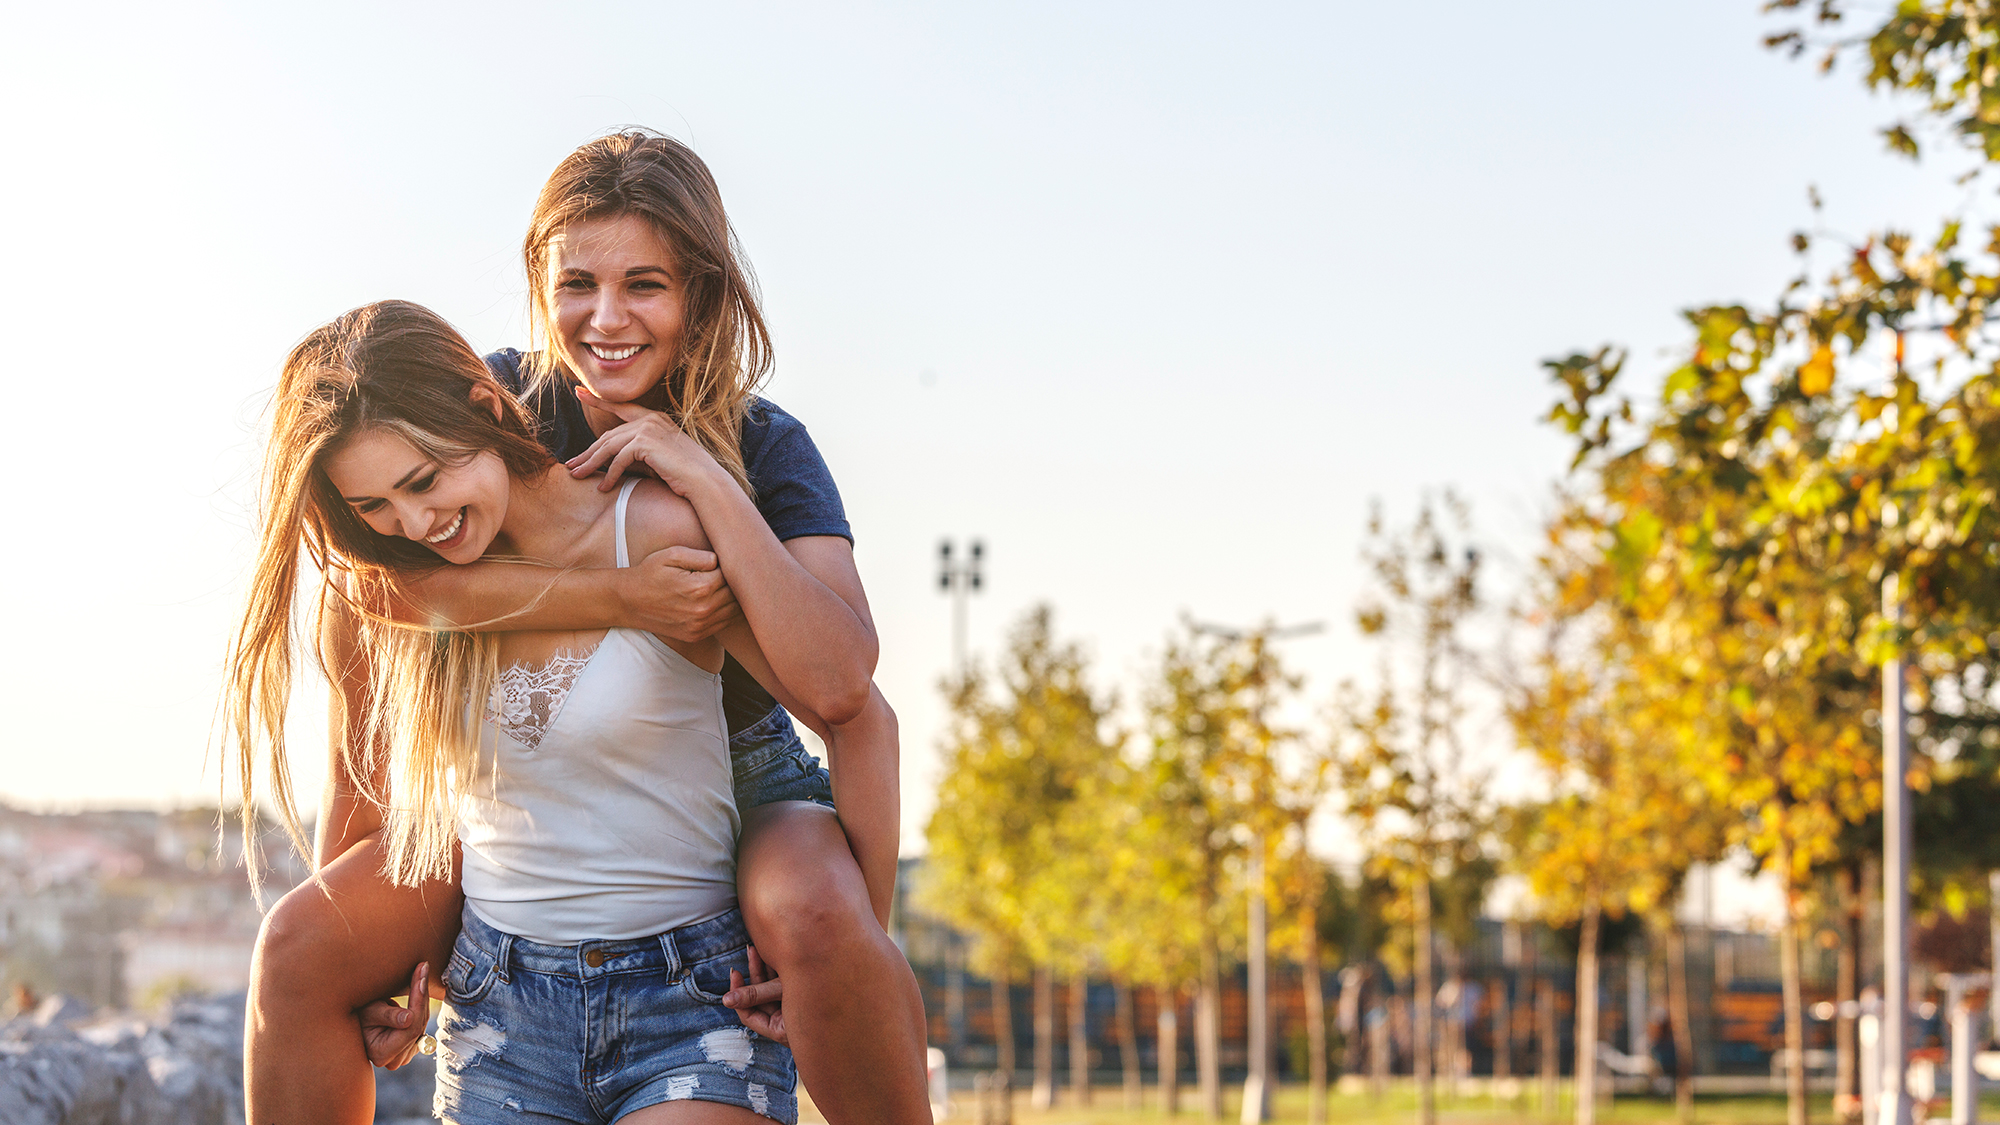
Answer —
843 692
868 719
843 701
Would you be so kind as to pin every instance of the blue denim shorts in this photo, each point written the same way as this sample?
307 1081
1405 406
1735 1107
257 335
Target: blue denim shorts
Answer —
770 764
591 1032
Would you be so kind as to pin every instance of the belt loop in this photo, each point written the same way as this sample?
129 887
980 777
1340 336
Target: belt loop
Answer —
672 953
504 955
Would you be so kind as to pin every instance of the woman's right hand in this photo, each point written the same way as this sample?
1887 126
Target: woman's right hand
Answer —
393 1033
678 593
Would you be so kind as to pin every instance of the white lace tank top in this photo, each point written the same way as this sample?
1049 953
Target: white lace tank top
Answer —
602 806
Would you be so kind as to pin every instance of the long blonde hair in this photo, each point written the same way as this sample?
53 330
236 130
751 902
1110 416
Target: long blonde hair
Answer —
395 366
726 349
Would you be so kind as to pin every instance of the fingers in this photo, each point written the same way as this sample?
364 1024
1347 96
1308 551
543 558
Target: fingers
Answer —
745 994
420 994
765 1018
384 1016
626 411
627 455
390 1032
600 451
769 1026
758 972
686 558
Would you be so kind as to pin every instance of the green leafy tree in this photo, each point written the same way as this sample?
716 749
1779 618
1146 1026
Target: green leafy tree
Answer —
1406 779
1211 775
1013 814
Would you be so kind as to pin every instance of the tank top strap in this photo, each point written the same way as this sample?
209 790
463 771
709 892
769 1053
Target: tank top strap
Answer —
624 496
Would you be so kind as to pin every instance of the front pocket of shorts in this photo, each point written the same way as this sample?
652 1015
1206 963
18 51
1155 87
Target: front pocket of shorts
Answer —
708 981
470 974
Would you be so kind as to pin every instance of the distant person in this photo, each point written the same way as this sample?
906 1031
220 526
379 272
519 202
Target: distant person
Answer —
641 299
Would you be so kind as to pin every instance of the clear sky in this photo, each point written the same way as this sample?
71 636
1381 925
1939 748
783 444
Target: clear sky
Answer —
1155 298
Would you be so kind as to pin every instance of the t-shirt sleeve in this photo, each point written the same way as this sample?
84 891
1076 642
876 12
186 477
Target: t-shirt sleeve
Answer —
795 490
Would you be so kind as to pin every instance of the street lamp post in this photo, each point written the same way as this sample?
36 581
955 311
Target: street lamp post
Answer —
961 580
1895 1108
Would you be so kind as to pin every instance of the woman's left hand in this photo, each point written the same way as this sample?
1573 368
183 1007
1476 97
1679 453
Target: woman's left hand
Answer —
645 440
756 1000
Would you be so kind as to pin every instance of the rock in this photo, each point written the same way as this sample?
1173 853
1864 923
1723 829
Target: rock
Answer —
184 1070
60 1011
188 1068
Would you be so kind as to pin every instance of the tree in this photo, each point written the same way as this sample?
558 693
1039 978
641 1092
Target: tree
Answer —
1210 772
1009 825
1406 780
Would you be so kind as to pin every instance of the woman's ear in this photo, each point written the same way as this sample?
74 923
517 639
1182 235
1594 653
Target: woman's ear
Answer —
483 395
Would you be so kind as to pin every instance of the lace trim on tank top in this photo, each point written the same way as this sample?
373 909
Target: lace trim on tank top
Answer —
527 700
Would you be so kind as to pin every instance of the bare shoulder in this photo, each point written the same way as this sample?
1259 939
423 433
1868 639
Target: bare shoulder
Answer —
656 519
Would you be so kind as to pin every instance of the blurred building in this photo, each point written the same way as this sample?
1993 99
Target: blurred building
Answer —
1488 999
125 908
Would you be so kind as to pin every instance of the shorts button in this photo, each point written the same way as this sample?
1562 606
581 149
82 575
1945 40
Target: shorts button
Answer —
594 958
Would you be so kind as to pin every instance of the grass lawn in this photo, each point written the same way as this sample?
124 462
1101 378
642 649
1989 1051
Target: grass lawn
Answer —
1399 1108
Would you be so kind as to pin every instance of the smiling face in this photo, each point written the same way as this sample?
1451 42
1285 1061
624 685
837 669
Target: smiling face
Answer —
399 491
618 304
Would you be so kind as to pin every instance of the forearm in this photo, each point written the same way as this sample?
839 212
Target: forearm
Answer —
346 814
819 643
864 757
488 596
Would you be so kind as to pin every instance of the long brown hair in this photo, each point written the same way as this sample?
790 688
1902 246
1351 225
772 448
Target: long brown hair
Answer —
726 349
395 366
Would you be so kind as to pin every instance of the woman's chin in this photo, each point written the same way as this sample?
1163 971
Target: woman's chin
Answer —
620 386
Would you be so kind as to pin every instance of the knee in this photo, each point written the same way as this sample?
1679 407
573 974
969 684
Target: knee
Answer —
293 931
808 911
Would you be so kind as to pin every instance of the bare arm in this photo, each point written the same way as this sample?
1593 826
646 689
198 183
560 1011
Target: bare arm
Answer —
803 597
678 593
346 815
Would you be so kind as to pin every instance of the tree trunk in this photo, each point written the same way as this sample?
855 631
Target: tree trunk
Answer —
1847 998
1168 1046
1003 1020
1128 1043
1043 1095
1584 1081
1423 1003
1550 1037
1315 998
1208 1028
1679 1014
1795 1011
1079 1039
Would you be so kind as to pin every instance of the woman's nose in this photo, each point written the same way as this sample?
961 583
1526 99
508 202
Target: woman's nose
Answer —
609 311
415 519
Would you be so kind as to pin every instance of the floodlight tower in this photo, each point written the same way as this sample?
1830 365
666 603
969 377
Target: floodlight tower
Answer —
961 580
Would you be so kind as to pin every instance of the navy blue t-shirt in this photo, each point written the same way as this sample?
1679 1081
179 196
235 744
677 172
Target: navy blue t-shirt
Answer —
795 491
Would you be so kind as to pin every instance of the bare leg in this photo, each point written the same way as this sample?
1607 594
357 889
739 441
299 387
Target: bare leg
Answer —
324 952
852 1009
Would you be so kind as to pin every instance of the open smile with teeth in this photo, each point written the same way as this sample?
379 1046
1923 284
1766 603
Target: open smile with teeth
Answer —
611 354
450 530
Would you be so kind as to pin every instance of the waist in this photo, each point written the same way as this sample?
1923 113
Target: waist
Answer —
668 951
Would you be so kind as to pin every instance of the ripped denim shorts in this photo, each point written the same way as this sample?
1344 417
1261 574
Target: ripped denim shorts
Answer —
592 1032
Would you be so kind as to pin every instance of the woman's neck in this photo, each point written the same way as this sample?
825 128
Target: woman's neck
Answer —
548 516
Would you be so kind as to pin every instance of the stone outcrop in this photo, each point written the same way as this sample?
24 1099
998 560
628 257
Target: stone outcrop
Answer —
60 1068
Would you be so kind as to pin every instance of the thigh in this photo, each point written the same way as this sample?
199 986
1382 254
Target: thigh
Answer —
357 933
794 871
